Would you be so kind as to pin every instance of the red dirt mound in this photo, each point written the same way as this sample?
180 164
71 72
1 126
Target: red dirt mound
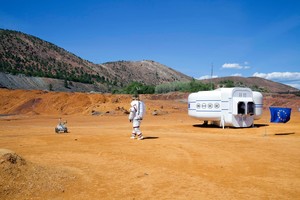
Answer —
19 175
62 103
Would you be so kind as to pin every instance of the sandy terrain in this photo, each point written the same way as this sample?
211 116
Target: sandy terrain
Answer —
179 158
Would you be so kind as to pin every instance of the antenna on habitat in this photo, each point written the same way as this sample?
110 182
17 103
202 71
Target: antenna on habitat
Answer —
211 76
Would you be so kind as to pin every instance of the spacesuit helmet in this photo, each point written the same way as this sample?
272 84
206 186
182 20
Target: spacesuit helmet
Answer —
135 97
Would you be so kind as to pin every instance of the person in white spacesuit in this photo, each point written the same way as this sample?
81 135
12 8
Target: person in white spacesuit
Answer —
137 112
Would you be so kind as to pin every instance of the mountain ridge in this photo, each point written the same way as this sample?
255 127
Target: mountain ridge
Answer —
21 53
256 83
28 62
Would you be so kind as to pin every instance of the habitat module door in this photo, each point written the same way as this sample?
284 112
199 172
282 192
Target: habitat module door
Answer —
243 109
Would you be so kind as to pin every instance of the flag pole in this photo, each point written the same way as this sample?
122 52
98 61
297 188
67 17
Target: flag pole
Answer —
265 130
211 75
266 127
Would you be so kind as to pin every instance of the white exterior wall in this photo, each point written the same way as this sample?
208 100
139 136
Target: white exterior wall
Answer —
205 105
226 106
258 100
221 106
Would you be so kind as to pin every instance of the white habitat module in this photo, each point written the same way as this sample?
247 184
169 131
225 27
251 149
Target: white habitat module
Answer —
237 107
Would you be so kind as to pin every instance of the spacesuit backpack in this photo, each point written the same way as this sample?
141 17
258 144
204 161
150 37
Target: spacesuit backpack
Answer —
141 110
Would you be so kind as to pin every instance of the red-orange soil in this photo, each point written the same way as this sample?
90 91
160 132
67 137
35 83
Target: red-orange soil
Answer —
178 159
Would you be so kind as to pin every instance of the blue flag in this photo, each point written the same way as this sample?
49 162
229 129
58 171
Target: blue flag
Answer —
280 115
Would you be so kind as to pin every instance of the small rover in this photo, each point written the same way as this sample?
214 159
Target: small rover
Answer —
61 127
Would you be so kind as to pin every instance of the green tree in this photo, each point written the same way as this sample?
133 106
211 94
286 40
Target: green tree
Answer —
227 83
137 88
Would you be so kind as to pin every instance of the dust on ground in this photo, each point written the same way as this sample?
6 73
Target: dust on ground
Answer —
179 158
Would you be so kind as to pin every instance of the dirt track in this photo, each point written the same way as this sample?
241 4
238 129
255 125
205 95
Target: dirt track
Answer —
179 159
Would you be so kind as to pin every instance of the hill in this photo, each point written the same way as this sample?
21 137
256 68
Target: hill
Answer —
147 71
255 83
27 62
21 53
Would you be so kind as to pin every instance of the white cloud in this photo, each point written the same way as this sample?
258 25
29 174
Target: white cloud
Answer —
295 85
237 74
235 66
232 66
206 77
288 78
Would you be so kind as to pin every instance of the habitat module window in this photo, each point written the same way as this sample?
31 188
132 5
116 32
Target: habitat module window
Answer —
250 108
241 108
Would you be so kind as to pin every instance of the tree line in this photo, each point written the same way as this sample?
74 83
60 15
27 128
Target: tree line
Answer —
178 86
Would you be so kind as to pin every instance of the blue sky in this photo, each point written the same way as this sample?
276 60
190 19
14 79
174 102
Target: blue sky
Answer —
241 38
